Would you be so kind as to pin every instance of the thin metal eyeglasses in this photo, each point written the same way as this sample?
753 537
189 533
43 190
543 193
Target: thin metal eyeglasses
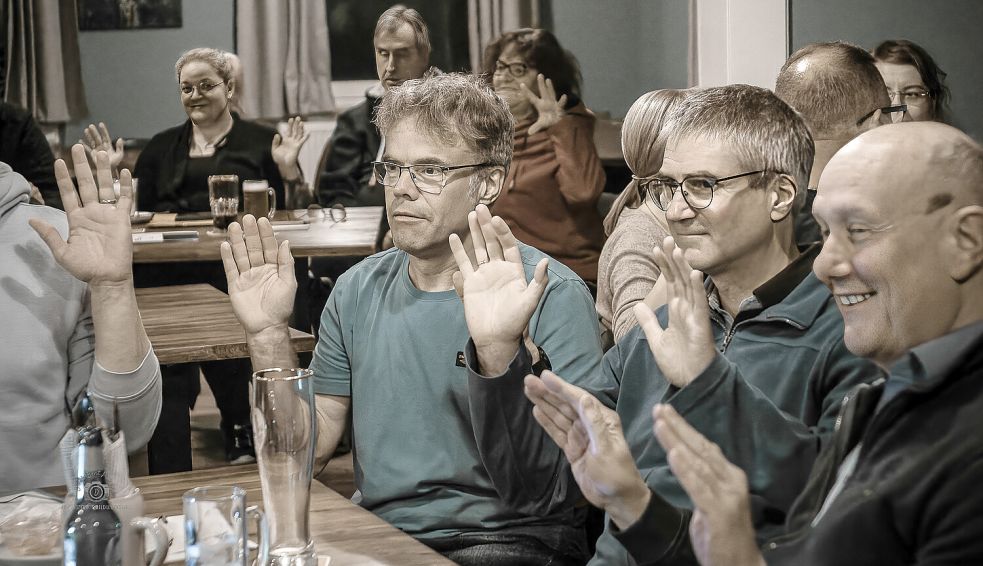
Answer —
909 96
517 69
203 87
887 114
697 190
337 213
426 177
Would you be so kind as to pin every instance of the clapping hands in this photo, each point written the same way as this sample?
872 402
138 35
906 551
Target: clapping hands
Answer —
721 530
594 443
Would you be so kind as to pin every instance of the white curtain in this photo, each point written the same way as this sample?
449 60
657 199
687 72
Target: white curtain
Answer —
488 19
43 70
286 58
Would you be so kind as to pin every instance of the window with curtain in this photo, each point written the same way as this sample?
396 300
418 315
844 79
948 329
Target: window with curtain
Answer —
352 22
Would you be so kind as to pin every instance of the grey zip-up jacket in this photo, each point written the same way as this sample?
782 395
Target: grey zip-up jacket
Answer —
47 351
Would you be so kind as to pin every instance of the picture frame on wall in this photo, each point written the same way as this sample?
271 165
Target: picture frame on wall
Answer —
128 14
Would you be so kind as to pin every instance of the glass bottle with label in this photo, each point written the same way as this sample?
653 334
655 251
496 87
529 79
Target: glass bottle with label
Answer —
93 530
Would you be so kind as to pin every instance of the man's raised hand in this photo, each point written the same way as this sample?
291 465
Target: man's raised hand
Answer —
685 347
260 274
99 249
498 301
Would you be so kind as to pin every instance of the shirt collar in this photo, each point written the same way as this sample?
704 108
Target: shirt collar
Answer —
773 291
940 356
930 363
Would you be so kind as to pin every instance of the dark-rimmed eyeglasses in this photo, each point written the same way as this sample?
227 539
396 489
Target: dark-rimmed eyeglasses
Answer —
889 114
203 87
697 189
517 69
426 177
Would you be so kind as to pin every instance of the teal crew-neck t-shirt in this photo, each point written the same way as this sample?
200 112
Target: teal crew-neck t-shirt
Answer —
395 350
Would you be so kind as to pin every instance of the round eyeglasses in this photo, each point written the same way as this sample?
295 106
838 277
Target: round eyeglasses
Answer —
697 189
426 177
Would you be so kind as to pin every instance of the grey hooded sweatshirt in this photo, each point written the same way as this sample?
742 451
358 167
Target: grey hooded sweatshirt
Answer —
47 351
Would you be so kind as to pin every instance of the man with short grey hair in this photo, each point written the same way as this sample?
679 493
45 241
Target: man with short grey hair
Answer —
445 445
840 94
766 367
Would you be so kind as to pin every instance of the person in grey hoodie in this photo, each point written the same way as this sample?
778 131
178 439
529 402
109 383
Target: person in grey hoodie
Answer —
71 321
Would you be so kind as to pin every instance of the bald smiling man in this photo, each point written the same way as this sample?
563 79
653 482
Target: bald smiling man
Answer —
901 212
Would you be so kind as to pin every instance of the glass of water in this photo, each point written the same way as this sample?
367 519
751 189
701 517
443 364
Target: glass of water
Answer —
215 527
223 196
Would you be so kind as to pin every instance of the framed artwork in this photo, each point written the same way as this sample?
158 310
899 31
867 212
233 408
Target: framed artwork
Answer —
128 14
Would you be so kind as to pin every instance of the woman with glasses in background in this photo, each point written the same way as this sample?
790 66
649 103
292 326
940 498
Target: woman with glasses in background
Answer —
550 195
173 171
913 78
626 272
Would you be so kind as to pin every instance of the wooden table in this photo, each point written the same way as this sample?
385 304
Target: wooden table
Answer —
340 529
356 236
195 323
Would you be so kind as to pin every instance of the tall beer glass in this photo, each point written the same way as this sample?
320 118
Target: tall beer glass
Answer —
285 431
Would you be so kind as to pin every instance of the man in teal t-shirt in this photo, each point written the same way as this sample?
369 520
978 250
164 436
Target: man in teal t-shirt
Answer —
445 444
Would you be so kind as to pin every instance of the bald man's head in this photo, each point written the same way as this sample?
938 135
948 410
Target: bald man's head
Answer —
901 209
832 85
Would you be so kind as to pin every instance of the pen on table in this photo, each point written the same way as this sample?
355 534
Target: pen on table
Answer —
151 237
284 227
180 235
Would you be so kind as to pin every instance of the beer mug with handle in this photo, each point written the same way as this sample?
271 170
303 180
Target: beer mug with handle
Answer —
258 199
130 510
215 527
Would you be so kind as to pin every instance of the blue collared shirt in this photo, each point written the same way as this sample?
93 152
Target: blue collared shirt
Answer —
930 361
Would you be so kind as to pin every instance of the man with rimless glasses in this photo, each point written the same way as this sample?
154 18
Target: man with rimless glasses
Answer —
764 374
445 445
